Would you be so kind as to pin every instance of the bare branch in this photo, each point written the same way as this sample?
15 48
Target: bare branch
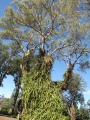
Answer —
59 48
21 46
29 42
81 52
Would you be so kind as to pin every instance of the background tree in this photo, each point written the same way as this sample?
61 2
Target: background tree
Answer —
73 96
3 61
75 91
1 97
10 65
83 113
5 106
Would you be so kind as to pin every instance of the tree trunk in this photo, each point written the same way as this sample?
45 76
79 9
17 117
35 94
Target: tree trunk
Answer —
71 112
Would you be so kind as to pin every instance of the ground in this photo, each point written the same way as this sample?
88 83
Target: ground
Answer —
6 118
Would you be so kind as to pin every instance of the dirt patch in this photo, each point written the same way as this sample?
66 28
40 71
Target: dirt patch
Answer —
6 118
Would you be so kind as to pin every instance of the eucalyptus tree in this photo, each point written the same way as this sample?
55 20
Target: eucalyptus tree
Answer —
78 54
48 28
39 25
76 38
43 26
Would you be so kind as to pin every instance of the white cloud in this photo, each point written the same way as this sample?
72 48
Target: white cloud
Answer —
87 92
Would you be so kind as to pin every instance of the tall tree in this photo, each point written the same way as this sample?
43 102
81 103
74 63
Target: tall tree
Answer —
49 28
52 31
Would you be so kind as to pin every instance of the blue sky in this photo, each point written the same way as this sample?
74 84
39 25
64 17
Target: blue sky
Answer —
57 73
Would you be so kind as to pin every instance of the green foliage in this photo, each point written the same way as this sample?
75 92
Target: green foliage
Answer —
67 78
38 24
40 99
83 113
3 61
5 106
75 90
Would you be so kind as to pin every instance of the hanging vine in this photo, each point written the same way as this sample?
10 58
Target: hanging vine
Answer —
67 77
41 100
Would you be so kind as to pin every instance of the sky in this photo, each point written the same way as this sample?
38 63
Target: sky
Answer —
58 70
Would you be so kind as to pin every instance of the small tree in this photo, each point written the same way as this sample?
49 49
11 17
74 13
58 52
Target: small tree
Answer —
73 95
75 90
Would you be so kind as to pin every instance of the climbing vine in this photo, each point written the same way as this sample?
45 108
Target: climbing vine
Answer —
67 78
41 100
